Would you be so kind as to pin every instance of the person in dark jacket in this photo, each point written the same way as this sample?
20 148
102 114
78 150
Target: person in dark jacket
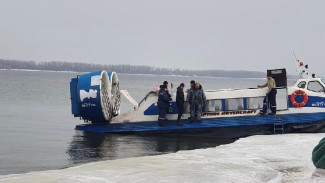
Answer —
180 103
196 100
165 83
163 104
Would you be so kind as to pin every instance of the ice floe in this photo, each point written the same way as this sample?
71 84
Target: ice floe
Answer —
268 158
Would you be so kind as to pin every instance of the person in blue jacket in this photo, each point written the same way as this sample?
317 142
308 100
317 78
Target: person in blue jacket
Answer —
163 104
166 84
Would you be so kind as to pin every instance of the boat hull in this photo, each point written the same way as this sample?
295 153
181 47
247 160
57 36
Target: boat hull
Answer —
242 126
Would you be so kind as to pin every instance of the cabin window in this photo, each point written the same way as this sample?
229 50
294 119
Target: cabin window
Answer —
255 103
213 106
234 104
315 86
302 84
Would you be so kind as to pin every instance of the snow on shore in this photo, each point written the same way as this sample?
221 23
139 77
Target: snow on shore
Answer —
271 158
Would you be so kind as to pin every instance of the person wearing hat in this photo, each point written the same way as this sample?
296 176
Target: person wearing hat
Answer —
163 104
270 98
165 83
196 99
180 103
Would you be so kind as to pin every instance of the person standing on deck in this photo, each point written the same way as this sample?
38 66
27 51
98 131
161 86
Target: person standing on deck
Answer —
196 100
192 86
163 104
270 98
165 83
180 103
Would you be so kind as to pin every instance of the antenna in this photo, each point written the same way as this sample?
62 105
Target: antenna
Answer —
294 55
297 61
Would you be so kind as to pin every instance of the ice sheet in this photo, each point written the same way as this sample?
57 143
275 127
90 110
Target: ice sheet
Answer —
272 158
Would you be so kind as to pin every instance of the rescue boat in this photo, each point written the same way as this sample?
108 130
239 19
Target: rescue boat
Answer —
95 98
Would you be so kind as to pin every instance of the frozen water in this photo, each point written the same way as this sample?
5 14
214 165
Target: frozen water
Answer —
269 158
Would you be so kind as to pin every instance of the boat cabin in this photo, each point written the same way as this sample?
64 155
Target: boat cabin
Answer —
312 84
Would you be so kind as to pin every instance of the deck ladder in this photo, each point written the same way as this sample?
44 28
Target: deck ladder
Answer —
278 125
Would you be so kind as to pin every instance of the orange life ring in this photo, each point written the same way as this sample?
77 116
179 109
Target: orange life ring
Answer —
293 98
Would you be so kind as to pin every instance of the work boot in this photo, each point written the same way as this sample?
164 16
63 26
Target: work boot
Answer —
179 123
262 113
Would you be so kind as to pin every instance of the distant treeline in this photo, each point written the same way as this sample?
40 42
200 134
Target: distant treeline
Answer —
129 69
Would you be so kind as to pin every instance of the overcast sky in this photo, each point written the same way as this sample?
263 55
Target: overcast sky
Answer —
217 34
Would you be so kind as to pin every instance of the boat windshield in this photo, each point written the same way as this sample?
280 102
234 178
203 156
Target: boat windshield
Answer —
149 94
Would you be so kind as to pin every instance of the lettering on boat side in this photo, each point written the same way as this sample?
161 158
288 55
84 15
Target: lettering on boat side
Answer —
88 105
318 104
224 113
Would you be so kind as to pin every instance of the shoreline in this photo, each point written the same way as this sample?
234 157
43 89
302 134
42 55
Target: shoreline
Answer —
31 70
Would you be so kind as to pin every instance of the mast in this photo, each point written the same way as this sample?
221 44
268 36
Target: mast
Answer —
302 69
